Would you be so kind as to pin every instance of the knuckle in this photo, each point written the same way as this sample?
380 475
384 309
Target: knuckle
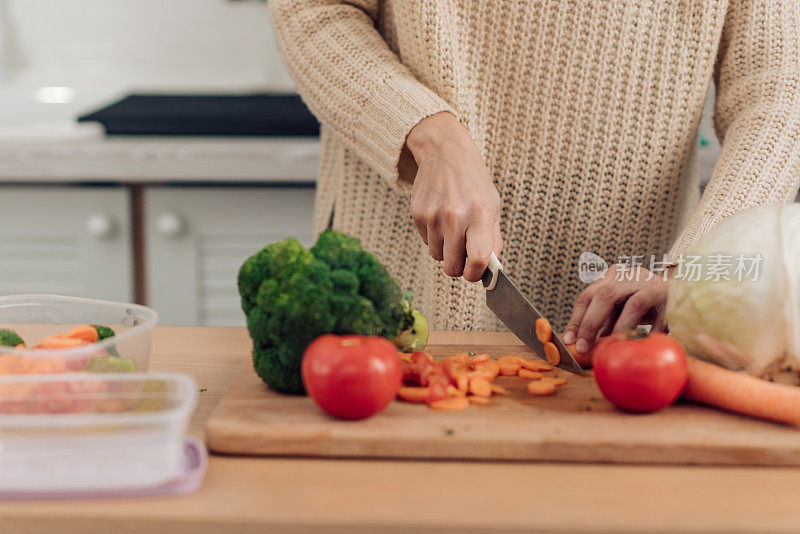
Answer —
584 298
636 305
481 209
606 292
589 326
453 216
481 256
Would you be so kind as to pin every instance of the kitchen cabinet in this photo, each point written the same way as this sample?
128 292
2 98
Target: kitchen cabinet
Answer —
66 240
197 237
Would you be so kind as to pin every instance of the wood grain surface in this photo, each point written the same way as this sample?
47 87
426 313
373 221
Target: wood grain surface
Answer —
254 495
577 424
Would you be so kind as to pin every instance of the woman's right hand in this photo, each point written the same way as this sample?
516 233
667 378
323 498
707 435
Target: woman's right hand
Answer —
454 203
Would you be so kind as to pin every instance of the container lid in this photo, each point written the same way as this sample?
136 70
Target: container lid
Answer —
195 462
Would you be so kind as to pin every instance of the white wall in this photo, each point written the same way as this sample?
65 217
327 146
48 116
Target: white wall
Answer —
149 44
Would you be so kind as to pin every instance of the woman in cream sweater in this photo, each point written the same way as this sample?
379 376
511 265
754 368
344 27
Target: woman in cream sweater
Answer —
545 128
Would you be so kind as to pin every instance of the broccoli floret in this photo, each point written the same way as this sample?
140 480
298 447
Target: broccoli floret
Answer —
291 295
103 332
9 338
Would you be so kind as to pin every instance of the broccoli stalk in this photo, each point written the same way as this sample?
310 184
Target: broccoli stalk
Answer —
291 295
9 338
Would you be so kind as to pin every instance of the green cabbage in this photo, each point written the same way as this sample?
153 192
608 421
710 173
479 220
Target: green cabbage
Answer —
747 322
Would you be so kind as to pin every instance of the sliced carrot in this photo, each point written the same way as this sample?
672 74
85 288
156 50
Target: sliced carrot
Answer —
430 358
745 394
544 332
480 386
499 390
534 365
490 369
413 394
451 405
404 357
455 392
584 360
551 353
460 358
530 375
456 371
472 360
556 380
60 342
85 332
541 388
20 346
474 399
509 365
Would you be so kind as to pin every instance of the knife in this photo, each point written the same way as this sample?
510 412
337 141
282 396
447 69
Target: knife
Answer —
518 314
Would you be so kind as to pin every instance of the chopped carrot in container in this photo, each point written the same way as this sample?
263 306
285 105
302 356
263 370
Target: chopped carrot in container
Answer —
85 332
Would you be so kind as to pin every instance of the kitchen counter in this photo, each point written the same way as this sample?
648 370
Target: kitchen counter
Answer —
82 153
296 494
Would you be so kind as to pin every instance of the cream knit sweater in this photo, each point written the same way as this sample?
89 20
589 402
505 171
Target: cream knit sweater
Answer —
585 111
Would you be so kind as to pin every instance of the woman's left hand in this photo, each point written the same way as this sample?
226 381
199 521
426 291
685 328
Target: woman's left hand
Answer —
624 298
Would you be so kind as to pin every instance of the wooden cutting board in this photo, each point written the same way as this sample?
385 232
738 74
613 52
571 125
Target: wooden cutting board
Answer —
577 424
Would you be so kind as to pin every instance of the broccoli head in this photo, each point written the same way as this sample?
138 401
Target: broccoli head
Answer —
9 338
103 332
291 295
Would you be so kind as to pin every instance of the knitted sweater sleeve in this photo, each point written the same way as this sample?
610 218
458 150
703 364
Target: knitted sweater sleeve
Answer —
350 79
756 116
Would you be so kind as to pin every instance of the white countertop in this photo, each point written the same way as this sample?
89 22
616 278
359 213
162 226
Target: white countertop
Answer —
42 142
144 159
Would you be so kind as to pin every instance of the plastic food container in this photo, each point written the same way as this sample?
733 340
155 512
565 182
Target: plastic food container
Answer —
34 317
90 431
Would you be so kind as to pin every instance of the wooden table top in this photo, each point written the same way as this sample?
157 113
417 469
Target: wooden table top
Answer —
299 495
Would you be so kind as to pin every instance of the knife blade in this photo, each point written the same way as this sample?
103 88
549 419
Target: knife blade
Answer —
512 307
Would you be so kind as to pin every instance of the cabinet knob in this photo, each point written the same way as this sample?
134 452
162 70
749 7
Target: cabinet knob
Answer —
169 225
100 225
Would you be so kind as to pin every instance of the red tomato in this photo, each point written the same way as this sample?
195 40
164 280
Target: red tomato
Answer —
351 377
640 372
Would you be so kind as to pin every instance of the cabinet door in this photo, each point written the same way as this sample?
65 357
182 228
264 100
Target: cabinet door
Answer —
198 237
66 240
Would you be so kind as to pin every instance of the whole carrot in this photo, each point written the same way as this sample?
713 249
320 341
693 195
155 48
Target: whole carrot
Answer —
745 394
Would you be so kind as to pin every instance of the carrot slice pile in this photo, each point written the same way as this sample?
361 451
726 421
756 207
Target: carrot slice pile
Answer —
457 381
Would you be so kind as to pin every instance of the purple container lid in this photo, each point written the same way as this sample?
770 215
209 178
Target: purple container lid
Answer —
189 481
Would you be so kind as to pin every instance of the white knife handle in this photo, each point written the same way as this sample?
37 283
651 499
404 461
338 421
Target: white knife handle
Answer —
495 267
